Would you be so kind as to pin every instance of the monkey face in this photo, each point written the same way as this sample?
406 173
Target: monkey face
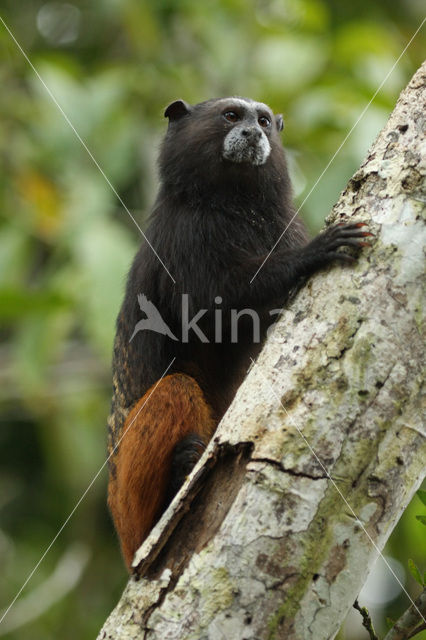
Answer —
250 125
220 142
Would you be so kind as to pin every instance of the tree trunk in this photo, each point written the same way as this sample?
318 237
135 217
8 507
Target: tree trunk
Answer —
274 533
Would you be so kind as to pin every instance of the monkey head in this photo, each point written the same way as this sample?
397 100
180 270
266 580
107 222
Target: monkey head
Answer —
220 140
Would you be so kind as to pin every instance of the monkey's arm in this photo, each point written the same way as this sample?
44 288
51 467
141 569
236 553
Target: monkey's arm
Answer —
273 276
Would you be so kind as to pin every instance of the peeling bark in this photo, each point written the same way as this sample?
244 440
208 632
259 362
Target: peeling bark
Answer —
274 533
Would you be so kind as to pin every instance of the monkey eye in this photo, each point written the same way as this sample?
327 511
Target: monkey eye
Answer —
264 121
231 116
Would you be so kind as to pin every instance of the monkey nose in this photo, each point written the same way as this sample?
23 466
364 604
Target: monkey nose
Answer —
251 133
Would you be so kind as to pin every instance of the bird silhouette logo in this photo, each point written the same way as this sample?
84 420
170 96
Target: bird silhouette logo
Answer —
153 320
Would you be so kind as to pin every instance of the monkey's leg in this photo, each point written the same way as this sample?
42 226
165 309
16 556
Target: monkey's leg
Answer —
185 455
168 427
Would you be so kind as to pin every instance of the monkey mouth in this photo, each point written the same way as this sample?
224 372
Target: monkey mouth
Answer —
240 149
248 154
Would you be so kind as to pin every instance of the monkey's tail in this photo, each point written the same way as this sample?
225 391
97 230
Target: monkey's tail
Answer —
162 438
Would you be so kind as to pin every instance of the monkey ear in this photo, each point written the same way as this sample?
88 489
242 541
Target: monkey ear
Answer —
279 122
177 110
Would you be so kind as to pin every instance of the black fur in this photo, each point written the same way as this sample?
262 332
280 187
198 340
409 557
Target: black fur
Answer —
185 455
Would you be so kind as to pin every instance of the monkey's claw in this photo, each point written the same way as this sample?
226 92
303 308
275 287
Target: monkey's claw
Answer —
325 246
345 235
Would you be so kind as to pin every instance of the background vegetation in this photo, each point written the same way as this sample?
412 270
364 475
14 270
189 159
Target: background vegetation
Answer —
67 241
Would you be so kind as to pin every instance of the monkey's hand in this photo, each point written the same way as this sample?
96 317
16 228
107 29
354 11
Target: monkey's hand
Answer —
323 249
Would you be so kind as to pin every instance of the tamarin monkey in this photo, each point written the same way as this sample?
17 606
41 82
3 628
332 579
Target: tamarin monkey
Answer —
224 201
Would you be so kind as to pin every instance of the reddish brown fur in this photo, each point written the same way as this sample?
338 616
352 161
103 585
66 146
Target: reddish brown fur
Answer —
160 419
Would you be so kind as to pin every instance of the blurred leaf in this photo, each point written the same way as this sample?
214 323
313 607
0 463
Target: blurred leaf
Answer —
38 343
14 250
105 257
414 571
19 304
422 495
44 200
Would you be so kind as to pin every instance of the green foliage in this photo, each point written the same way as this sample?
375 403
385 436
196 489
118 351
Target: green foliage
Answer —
67 241
422 496
414 570
421 517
